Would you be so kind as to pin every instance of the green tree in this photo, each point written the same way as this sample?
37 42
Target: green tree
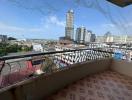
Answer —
6 48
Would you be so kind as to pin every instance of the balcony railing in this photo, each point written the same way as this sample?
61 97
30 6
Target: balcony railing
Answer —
14 69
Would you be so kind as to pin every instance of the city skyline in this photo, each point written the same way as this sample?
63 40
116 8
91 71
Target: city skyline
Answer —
20 20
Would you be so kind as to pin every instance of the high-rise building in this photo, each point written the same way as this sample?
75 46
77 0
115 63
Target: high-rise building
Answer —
87 37
93 38
120 39
114 38
3 38
69 29
108 37
80 34
84 36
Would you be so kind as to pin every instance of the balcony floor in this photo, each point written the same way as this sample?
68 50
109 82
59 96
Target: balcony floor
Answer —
108 85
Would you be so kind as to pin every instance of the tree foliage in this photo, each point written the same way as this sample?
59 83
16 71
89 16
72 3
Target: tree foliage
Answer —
6 48
11 38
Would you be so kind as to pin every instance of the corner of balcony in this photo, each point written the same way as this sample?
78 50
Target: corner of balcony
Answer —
66 75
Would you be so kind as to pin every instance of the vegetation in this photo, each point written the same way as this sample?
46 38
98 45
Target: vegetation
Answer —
11 38
48 65
6 48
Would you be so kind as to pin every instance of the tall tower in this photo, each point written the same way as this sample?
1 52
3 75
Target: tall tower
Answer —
69 29
80 34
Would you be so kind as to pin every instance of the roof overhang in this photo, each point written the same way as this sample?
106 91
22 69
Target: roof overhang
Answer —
121 3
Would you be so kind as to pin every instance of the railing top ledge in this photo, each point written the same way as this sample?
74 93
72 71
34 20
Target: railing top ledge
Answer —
47 53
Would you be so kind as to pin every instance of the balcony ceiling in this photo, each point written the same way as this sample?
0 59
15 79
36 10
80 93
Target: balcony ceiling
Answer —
121 3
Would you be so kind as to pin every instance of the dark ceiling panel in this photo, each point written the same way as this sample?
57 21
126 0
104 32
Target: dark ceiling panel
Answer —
121 3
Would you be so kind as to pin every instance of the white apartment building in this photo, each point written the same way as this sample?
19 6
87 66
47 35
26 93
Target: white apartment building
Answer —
37 47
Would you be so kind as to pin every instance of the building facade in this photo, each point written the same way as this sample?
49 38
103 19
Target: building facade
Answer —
84 36
108 37
37 47
69 29
80 34
3 38
93 38
87 36
100 39
118 39
129 39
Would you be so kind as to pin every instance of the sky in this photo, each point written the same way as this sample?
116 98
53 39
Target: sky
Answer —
45 19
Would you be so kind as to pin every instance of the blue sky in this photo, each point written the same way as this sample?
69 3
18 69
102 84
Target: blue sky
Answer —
45 19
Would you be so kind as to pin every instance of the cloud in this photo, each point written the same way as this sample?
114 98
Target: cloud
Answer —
4 26
118 29
129 24
51 25
52 20
113 26
56 21
15 29
49 22
108 25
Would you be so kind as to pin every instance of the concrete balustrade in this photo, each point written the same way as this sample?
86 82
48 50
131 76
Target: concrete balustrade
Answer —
39 87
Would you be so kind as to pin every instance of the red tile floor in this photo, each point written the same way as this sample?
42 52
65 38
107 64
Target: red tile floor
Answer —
108 85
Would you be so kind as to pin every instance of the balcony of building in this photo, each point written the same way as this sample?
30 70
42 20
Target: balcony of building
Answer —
85 74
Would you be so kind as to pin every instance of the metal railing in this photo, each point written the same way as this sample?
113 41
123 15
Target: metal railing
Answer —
16 68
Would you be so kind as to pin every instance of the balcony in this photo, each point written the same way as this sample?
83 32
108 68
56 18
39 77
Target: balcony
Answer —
85 74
